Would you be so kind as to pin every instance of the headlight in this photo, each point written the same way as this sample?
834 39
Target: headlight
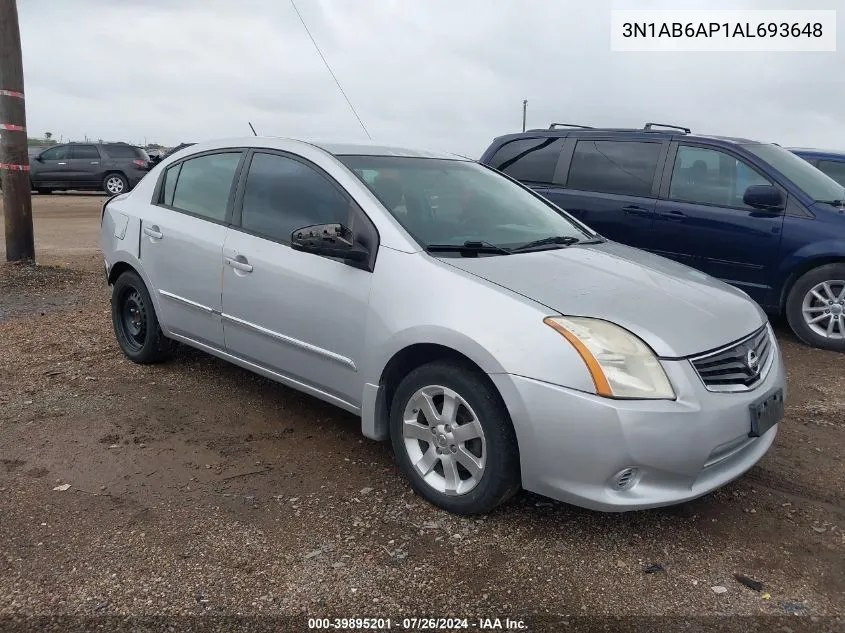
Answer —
622 366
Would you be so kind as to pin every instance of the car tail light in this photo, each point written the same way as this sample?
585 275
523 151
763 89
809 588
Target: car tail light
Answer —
141 164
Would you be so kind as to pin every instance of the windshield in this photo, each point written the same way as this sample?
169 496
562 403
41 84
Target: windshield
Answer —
810 180
452 202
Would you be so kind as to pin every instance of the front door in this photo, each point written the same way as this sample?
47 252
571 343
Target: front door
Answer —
51 167
182 244
296 314
702 221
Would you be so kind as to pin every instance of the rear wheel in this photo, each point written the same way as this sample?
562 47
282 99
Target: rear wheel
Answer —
815 307
115 184
135 322
453 439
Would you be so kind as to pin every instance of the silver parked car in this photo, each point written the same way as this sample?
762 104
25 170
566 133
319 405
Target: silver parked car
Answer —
497 342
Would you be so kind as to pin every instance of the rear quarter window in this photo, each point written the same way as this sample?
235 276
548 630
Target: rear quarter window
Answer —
125 151
528 159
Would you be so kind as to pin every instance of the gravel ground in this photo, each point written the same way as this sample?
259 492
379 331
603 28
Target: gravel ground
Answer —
198 488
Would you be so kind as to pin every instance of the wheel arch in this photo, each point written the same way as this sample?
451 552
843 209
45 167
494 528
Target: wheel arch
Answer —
802 269
378 398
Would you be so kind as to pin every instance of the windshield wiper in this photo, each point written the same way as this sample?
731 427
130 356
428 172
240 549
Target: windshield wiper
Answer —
835 203
468 249
555 240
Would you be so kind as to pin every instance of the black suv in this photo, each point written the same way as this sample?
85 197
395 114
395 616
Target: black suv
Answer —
111 167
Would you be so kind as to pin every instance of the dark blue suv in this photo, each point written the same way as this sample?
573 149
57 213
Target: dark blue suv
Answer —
752 214
831 163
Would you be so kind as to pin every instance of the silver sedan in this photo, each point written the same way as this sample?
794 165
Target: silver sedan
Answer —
494 340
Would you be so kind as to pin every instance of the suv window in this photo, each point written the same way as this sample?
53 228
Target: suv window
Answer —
708 176
56 153
528 159
84 151
125 151
283 194
834 169
621 167
204 184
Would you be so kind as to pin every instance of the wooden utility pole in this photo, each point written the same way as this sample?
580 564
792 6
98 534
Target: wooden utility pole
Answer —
14 159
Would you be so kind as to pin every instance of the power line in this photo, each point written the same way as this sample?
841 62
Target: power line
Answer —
319 52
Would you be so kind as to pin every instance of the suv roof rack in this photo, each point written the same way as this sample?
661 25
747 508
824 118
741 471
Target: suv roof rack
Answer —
650 126
582 127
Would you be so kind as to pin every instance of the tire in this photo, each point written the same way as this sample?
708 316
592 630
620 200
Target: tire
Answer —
819 294
115 184
495 450
135 323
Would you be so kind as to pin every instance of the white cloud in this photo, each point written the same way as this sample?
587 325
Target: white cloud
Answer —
444 74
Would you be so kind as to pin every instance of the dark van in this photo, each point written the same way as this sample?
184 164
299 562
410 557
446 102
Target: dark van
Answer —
752 214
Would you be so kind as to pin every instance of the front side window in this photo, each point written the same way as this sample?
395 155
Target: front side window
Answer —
815 183
619 167
85 151
204 185
835 169
450 202
708 176
283 194
56 153
528 159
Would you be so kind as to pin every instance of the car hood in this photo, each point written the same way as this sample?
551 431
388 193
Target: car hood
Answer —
677 310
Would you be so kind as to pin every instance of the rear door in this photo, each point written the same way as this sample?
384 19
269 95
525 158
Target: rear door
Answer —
182 239
702 221
84 167
611 185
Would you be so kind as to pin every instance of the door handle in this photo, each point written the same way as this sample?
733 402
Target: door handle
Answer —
237 264
635 210
95 162
153 232
674 216
61 163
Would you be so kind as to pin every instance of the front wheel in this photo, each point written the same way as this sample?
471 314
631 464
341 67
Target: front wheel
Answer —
135 322
115 184
815 307
453 439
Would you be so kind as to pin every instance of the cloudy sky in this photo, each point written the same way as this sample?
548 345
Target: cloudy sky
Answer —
441 74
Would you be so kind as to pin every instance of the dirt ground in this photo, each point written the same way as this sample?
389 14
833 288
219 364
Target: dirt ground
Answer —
197 487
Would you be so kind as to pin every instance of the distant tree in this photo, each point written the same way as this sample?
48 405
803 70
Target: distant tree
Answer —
48 135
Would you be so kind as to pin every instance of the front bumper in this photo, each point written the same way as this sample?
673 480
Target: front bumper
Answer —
572 444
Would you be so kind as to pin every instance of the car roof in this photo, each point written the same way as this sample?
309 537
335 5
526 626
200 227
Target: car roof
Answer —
333 148
817 153
639 133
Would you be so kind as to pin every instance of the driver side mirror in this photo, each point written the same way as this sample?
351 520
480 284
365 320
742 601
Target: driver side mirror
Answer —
329 240
765 197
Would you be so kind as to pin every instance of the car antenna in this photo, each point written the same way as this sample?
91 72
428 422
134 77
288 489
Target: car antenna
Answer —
252 128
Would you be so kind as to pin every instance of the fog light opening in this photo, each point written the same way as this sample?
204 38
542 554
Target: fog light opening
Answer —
625 479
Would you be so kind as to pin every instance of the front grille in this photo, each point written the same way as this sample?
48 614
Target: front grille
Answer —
739 367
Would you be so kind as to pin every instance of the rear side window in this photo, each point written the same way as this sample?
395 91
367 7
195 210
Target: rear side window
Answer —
204 184
528 159
620 167
125 151
84 151
282 195
834 169
708 176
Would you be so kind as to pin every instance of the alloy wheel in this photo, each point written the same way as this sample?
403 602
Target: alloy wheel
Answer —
444 440
114 185
823 309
